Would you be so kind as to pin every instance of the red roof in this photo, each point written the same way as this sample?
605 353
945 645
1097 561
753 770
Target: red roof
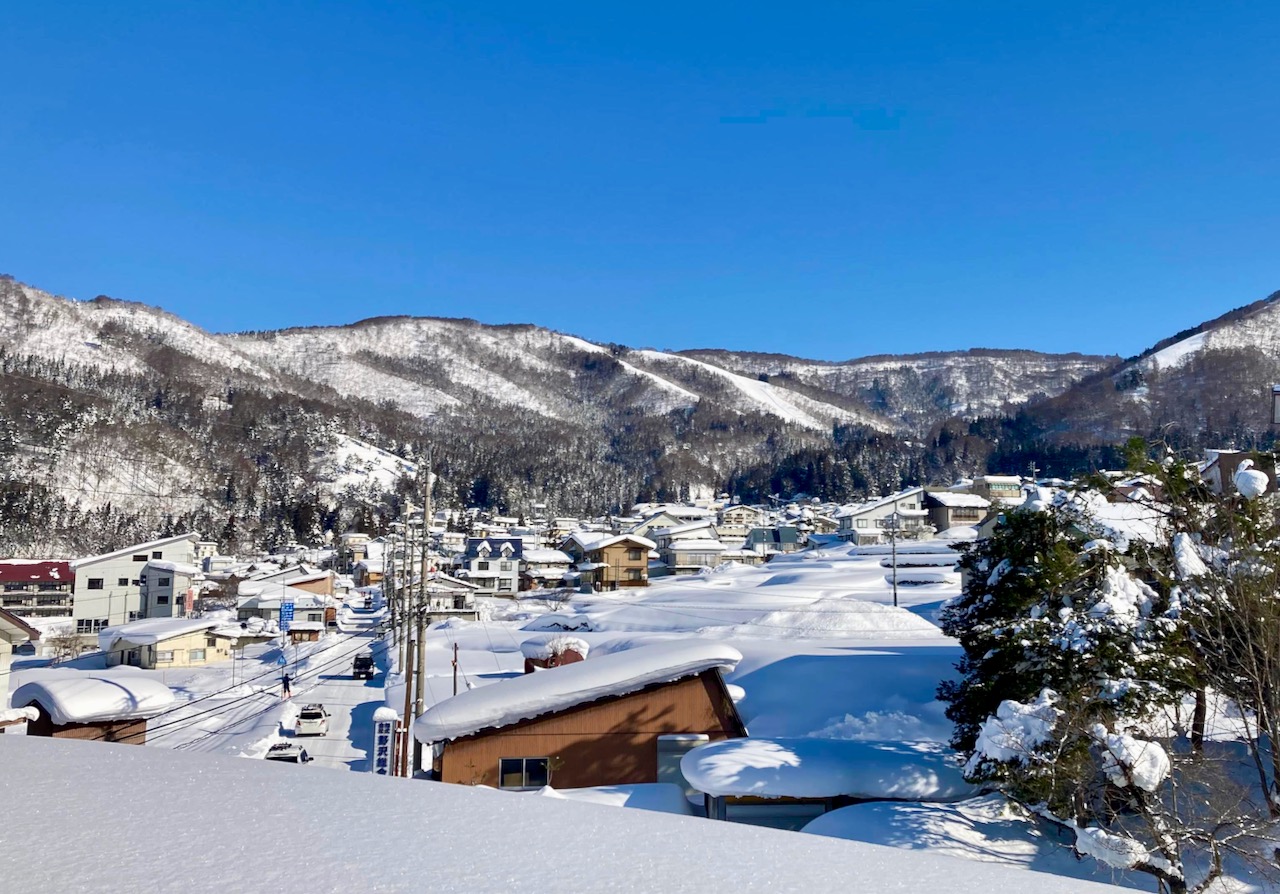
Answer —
20 571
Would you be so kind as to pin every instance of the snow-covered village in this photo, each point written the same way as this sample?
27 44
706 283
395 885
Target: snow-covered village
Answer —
707 669
639 448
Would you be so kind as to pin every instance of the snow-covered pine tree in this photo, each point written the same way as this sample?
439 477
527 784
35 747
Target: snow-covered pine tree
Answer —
1067 656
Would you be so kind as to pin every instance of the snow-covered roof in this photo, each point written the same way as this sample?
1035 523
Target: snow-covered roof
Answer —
540 556
91 696
270 594
174 567
533 695
150 631
878 503
543 647
826 768
589 541
953 500
687 527
439 582
696 546
22 571
135 548
11 625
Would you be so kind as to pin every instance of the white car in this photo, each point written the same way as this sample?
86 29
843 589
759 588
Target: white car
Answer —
313 720
289 753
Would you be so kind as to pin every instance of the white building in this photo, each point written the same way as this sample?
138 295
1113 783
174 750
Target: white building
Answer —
169 589
108 588
865 522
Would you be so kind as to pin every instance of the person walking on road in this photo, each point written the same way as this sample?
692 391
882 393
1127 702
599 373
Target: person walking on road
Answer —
285 690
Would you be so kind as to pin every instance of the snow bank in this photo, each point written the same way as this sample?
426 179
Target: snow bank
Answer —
92 696
533 695
546 844
826 768
662 797
839 618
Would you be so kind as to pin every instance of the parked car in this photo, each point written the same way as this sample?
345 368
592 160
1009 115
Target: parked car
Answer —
288 753
362 668
313 720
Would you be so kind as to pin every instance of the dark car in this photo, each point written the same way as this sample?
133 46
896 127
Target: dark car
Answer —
362 668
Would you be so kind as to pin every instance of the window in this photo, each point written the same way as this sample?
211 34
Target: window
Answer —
141 558
504 585
164 657
195 654
51 600
635 574
138 582
95 583
133 616
862 523
522 772
504 566
14 588
163 582
162 600
633 555
122 581
90 625
157 555
482 566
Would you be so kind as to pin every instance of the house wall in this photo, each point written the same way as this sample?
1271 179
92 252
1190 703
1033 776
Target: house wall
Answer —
130 732
321 586
613 741
115 603
616 557
216 648
159 600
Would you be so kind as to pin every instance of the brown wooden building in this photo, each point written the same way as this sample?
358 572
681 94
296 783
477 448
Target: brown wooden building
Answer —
587 723
98 705
609 562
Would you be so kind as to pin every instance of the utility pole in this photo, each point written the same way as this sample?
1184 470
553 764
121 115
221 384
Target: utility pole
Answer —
455 668
419 678
406 734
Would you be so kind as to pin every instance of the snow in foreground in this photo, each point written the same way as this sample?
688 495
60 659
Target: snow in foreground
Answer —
224 824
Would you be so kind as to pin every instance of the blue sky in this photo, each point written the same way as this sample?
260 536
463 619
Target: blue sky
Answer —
828 180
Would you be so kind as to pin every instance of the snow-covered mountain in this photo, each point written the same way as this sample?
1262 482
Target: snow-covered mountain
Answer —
425 365
117 407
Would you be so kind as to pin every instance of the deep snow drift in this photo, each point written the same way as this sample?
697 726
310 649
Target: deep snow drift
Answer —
216 824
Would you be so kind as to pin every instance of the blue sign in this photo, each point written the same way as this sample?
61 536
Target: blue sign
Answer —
286 616
282 661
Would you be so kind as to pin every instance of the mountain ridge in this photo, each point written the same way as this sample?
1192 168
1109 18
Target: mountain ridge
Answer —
128 411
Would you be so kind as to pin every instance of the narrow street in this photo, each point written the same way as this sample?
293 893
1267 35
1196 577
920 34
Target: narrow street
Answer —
350 704
251 720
